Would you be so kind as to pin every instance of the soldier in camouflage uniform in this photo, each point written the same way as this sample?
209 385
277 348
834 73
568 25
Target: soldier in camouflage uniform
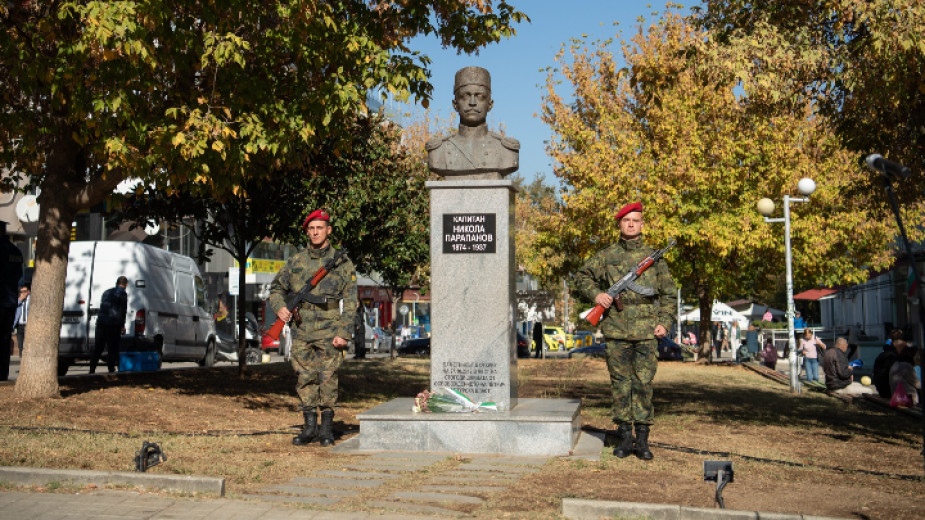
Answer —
320 337
632 347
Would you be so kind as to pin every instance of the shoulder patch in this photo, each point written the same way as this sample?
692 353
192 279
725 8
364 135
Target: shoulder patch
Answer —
508 142
434 143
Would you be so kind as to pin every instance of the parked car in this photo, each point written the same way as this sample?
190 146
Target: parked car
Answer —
378 339
582 338
415 333
227 346
421 346
416 347
523 347
596 350
555 338
668 350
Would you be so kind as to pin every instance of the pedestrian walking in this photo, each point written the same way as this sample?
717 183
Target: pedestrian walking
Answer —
811 348
110 325
22 316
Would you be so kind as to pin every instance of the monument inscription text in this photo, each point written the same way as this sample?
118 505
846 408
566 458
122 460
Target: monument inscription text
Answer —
469 233
470 377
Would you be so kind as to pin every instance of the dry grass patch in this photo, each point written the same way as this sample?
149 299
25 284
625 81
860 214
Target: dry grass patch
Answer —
807 454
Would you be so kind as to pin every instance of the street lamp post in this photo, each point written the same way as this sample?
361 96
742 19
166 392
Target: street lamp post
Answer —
766 207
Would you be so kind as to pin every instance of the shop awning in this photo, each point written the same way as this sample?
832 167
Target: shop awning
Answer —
814 294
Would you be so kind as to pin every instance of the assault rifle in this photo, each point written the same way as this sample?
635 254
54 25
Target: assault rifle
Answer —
304 294
594 315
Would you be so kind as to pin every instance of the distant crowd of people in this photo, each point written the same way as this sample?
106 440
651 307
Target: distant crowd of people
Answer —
898 366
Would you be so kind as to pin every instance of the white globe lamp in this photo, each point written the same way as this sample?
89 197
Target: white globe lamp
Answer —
806 186
766 206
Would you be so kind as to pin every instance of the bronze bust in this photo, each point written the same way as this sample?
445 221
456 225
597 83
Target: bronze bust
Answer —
473 153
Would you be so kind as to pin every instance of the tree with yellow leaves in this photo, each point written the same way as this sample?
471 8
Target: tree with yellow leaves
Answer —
699 134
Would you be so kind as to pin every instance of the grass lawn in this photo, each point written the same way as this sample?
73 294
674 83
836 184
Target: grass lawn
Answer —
808 454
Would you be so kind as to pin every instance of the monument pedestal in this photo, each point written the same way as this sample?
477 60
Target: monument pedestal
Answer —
473 347
473 342
540 427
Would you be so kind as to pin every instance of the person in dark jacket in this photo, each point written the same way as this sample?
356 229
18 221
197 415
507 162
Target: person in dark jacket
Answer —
110 325
883 364
359 332
838 373
752 342
538 338
10 273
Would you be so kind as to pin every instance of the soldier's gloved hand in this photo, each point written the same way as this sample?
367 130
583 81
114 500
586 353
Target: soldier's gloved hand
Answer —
339 343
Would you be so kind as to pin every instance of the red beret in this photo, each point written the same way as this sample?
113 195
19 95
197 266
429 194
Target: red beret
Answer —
629 208
318 214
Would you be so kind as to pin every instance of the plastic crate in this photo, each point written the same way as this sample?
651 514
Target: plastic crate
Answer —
138 361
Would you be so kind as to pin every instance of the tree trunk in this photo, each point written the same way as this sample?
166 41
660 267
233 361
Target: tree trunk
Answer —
38 372
67 186
241 311
706 312
397 294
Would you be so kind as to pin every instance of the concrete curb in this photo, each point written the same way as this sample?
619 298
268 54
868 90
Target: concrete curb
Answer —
43 477
580 509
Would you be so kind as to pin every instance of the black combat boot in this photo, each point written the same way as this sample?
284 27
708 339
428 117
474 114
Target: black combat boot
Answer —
326 433
310 431
625 431
642 442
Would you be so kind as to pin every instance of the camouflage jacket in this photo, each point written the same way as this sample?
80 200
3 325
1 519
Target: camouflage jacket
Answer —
319 322
640 314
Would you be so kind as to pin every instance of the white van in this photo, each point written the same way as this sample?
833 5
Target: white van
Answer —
167 309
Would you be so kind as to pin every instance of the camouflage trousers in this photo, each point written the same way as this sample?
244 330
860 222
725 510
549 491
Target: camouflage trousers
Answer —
316 364
632 366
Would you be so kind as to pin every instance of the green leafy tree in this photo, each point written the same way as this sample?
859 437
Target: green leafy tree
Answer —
236 223
94 92
372 185
698 134
374 190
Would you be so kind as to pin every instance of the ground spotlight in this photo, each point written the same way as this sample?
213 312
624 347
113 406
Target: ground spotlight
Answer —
721 472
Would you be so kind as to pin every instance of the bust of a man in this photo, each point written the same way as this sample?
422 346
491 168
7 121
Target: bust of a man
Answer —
473 152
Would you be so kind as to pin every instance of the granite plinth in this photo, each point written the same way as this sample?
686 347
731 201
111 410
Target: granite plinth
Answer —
548 427
473 344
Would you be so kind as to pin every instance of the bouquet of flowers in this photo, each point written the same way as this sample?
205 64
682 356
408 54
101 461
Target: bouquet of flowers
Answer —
448 400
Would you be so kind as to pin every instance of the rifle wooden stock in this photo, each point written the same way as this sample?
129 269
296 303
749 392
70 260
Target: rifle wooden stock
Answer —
276 329
594 315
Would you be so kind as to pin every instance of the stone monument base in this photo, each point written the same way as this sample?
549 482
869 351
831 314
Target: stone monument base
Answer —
547 427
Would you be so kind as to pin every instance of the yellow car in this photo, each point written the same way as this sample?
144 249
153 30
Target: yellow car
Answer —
556 338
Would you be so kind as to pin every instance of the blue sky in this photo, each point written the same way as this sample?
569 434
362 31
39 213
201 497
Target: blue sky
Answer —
515 65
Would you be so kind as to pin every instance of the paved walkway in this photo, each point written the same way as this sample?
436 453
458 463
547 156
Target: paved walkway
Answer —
381 485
